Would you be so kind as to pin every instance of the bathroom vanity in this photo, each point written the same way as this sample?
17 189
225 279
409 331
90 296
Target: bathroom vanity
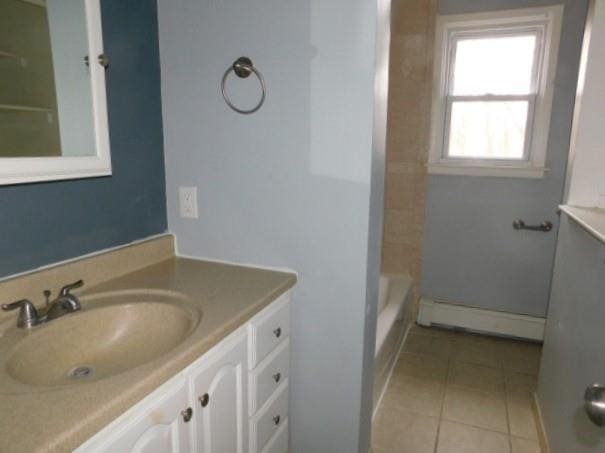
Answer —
240 384
180 355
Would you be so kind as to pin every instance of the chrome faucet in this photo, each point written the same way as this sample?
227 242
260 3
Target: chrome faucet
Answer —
28 315
64 303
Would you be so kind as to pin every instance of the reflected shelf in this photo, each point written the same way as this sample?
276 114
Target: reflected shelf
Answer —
40 3
5 55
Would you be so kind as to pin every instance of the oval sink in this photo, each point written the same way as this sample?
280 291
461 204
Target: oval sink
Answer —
100 342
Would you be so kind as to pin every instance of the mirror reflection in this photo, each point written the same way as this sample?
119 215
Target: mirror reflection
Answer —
46 104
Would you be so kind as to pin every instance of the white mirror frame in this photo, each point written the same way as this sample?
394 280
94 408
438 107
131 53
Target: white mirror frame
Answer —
16 170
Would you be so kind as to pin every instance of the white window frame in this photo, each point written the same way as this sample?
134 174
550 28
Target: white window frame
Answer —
546 24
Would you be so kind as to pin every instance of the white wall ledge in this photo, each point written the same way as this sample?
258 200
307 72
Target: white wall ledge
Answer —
591 219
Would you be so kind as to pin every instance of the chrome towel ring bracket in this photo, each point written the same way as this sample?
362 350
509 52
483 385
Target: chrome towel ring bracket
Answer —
243 67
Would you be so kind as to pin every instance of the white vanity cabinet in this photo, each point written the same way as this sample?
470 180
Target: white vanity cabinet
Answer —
155 425
233 399
269 363
218 387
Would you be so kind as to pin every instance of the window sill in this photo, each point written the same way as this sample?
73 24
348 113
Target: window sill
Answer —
492 171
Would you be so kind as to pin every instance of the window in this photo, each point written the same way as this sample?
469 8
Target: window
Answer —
494 75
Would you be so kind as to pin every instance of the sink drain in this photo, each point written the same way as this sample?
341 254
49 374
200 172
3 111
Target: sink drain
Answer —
80 372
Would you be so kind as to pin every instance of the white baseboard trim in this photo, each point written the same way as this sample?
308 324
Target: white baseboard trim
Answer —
480 320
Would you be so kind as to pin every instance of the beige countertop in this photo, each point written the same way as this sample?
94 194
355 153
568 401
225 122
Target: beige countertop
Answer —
591 219
61 418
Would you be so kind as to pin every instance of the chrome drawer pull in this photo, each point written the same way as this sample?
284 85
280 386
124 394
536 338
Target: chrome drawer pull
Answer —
277 377
187 414
204 399
277 332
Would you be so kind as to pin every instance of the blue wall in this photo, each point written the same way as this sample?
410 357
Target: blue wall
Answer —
298 184
472 255
573 343
44 223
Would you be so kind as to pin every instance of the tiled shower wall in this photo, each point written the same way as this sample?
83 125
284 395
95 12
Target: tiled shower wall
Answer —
412 35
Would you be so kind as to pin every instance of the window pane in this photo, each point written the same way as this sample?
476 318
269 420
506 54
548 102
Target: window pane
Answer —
488 130
496 65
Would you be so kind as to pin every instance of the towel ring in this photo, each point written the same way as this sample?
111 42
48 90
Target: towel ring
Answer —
243 67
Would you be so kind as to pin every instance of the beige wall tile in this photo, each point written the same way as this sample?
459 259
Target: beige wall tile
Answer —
399 258
410 75
480 409
409 16
399 226
457 438
399 191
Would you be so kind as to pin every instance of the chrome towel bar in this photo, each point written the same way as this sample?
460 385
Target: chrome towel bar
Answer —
545 226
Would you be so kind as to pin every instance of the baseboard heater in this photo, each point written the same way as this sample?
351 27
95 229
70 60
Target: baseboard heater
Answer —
479 320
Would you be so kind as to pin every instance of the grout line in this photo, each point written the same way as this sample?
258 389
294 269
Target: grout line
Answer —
450 361
510 440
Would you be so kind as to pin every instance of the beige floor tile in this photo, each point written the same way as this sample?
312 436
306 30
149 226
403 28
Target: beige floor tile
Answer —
521 357
476 377
520 385
421 396
449 334
521 418
525 446
477 350
439 348
458 438
401 431
480 409
419 366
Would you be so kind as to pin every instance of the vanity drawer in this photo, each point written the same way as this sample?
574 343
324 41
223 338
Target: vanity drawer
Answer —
279 441
268 330
268 375
269 419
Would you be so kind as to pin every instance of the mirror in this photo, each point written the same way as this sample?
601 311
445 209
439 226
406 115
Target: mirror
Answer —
53 112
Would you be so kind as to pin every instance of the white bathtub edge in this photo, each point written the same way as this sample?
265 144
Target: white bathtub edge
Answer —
386 384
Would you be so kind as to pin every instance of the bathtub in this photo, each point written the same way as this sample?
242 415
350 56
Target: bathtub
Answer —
394 301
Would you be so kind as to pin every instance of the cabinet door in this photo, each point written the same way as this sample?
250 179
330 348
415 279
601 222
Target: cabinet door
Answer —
219 393
158 426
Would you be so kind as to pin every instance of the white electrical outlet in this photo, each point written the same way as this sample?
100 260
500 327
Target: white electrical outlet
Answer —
188 202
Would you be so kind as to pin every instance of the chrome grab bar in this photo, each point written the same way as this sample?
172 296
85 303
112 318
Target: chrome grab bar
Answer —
545 226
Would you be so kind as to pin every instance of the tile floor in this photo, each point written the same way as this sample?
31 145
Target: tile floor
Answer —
454 392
